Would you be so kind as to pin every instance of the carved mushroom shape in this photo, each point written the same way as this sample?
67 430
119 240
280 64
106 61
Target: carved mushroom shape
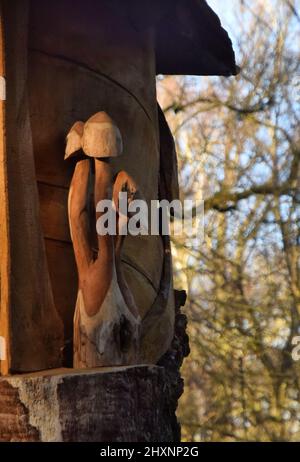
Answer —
106 322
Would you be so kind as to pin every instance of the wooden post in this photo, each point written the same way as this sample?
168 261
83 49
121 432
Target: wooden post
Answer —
29 321
4 235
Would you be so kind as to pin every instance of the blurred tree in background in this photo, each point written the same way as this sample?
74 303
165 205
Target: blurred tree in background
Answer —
238 142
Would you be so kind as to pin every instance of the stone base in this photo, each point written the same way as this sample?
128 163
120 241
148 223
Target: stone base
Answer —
126 404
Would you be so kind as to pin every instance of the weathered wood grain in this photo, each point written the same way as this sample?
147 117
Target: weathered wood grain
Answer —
70 69
53 204
77 84
128 404
64 283
35 329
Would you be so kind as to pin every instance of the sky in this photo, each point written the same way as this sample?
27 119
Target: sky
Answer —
220 8
225 11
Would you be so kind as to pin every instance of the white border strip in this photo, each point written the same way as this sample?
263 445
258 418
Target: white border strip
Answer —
2 349
2 89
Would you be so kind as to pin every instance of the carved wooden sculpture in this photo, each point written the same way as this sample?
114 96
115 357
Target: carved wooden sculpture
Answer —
62 61
106 322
